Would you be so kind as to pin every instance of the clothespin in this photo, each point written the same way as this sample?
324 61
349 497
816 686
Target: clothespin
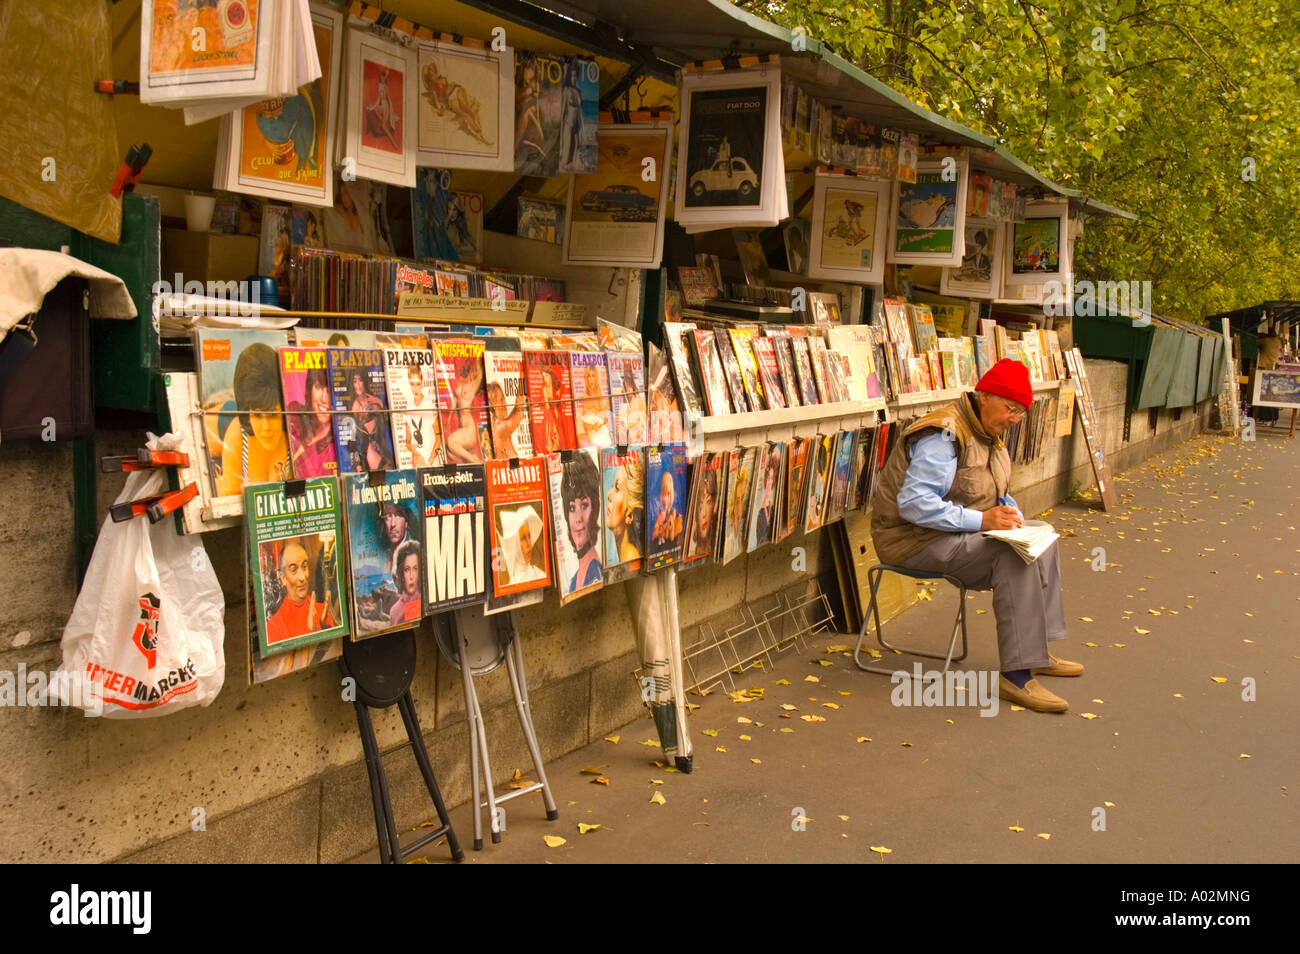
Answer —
143 459
155 507
117 86
295 488
129 172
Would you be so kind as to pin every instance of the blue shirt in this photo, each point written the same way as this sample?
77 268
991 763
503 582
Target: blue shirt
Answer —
930 474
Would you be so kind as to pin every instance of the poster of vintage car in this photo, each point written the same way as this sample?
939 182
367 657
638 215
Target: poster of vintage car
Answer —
615 216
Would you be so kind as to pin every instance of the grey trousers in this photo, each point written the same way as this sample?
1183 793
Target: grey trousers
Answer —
1026 596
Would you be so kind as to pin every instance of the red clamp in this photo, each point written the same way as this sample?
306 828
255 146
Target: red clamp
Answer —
144 459
128 174
155 507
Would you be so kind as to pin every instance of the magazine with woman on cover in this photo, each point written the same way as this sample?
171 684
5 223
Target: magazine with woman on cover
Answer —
384 551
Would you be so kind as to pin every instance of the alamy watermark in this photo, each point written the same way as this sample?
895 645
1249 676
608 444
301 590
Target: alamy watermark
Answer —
1088 299
231 298
971 688
37 688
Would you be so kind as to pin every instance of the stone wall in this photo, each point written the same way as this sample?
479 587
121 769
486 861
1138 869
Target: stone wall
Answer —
276 769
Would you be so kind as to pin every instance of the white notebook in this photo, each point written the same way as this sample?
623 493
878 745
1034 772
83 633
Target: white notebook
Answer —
1029 540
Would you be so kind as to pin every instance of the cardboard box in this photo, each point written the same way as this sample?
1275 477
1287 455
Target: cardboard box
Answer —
207 256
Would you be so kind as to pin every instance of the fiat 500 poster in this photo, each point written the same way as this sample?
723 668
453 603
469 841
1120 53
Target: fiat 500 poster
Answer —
724 159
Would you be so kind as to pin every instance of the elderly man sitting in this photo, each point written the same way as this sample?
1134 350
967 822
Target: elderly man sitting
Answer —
947 480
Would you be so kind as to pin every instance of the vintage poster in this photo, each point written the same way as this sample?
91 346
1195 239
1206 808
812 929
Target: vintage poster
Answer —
243 408
381 86
550 400
465 108
850 218
453 502
740 491
589 375
362 435
462 401
284 147
703 520
727 148
665 503
359 220
767 486
384 551
927 223
446 224
1036 246
309 407
233 60
507 397
579 115
538 103
797 234
980 271
413 400
576 518
540 220
1276 388
623 483
293 565
518 503
615 214
627 397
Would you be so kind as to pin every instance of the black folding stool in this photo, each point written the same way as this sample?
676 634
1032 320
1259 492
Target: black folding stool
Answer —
874 575
382 668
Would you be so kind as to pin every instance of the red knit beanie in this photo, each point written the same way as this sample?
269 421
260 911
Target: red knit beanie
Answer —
1009 379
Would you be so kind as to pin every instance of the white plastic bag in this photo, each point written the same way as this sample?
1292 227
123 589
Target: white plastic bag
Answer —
146 636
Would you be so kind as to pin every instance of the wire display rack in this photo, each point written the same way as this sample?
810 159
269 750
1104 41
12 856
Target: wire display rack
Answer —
750 635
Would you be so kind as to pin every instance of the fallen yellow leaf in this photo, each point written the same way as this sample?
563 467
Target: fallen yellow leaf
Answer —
1093 645
882 850
652 742
1243 755
757 761
744 738
787 729
844 692
656 781
1219 678
906 745
843 817
811 679
741 720
813 718
783 682
1100 702
840 649
1109 804
1087 715
719 748
657 798
591 770
1085 619
789 708
613 738
824 662
583 828
553 841
1178 695
709 731
1014 828
829 705
1017 708
863 738
600 780
1043 835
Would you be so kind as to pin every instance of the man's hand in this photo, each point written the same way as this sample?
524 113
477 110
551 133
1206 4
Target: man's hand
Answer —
1001 518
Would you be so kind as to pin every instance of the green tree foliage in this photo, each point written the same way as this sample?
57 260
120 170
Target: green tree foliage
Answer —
1186 113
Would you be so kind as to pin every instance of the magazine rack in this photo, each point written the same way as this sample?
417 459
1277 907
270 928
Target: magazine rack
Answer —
382 669
477 644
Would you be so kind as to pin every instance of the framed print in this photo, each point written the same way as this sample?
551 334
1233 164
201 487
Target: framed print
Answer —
980 273
614 216
378 136
234 59
282 148
465 108
1038 249
848 228
730 166
1276 389
927 217
798 236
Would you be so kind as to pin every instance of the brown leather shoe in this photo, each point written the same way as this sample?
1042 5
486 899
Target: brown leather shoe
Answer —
1059 667
1033 696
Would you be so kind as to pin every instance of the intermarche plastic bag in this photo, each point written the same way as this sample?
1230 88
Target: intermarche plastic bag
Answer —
146 636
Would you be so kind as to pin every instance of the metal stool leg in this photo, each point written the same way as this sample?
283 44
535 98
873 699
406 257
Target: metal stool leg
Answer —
471 707
519 686
494 821
407 708
874 576
385 828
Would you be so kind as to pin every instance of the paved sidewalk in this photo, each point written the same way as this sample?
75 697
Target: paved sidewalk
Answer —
1201 584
